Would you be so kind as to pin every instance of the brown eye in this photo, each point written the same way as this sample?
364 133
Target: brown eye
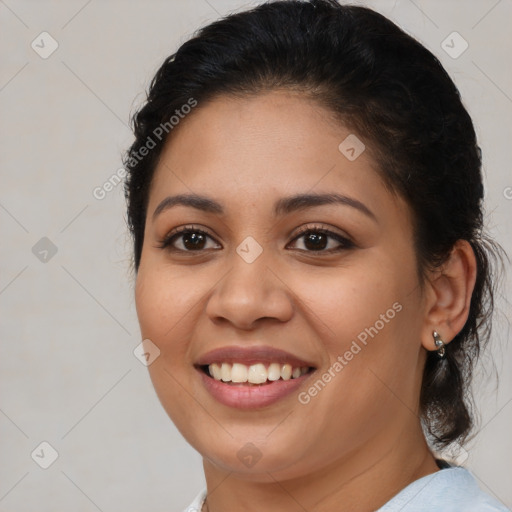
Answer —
193 241
316 241
187 239
322 240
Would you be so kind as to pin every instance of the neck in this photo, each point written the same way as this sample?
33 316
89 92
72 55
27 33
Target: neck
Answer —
359 481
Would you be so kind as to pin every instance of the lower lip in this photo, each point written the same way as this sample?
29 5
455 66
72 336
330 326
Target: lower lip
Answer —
250 397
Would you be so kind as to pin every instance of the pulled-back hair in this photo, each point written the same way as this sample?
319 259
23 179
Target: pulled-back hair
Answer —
395 95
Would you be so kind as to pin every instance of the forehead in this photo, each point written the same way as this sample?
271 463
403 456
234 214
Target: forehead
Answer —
249 150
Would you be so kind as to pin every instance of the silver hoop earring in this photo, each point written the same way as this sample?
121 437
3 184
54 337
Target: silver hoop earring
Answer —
439 344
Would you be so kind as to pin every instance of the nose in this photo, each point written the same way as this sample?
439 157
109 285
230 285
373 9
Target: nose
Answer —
250 293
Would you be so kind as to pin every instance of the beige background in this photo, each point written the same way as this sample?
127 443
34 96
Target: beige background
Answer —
68 375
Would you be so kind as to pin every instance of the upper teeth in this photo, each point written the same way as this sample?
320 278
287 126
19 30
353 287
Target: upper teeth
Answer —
255 373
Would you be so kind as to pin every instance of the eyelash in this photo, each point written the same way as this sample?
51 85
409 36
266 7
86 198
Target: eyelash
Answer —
345 243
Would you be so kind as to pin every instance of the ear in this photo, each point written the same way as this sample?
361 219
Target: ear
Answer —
448 295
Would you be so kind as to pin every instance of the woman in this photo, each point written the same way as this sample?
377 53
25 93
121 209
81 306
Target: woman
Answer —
305 196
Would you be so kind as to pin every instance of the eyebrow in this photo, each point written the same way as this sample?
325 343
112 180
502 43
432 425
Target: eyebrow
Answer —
283 206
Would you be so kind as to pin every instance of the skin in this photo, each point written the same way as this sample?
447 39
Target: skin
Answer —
359 441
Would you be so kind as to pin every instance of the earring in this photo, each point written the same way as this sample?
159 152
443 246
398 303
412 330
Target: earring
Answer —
439 344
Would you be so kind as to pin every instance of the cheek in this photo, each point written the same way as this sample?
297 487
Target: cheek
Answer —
368 323
162 309
165 298
164 306
346 303
152 301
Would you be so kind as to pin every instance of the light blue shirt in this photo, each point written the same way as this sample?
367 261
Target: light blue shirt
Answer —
453 489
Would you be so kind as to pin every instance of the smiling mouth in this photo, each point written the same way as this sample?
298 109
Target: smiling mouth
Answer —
259 374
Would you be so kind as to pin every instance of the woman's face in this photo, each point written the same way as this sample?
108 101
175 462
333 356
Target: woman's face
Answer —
266 286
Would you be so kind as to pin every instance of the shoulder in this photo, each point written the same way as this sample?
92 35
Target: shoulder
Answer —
453 489
197 504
